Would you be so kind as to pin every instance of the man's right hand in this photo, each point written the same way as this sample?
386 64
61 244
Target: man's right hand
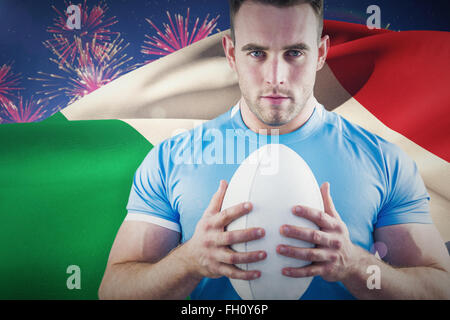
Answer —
208 250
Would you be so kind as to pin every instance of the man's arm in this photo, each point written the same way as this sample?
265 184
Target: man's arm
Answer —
418 265
136 268
142 266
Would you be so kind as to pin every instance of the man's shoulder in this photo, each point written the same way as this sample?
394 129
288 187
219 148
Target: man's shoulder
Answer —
363 138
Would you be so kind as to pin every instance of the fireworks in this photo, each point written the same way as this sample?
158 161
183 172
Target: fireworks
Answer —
95 66
87 58
8 83
29 111
94 26
176 35
90 56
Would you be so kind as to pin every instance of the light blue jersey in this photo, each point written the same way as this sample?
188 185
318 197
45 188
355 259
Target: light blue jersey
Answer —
373 182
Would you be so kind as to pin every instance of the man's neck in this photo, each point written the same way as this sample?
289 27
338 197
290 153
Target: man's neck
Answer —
254 124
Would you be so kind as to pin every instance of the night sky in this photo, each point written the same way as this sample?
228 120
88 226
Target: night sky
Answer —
24 23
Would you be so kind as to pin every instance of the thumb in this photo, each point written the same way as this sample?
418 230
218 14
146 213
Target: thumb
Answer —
328 204
216 201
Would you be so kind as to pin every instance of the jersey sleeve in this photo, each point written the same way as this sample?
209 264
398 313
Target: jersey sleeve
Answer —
148 200
406 199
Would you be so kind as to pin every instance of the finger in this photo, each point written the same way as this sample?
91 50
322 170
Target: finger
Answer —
307 254
233 272
312 270
238 236
310 235
320 218
328 201
232 213
217 199
229 256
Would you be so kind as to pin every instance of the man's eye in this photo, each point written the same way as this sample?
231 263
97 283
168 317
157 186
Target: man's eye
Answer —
257 54
294 53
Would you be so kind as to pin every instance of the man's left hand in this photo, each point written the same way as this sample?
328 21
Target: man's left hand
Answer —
334 256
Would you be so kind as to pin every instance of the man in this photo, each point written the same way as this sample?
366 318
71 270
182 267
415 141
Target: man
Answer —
276 49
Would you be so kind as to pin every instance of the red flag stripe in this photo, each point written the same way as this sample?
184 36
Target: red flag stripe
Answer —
400 77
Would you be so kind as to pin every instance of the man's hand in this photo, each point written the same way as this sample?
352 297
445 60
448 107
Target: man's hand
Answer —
334 255
208 250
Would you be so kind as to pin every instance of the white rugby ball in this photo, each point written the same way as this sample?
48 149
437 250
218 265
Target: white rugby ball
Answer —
274 179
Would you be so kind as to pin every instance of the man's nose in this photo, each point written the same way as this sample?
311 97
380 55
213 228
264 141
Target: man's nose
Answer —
276 72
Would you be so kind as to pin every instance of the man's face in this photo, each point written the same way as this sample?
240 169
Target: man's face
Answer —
276 57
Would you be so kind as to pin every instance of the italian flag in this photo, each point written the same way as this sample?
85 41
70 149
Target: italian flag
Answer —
65 181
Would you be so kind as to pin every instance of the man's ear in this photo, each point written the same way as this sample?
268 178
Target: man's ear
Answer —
228 47
324 46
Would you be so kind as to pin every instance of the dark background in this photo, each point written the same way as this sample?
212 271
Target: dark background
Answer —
24 23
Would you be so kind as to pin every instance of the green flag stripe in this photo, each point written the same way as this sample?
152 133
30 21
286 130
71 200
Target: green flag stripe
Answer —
64 186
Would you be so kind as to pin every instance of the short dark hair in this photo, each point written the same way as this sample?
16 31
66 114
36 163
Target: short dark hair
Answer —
317 5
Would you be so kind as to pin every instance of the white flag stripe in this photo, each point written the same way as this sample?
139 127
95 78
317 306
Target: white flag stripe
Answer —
179 85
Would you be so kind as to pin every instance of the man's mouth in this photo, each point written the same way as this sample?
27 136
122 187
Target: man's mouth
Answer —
275 99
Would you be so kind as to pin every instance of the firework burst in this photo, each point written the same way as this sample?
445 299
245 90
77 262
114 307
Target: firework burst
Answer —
94 26
8 83
95 66
28 111
176 35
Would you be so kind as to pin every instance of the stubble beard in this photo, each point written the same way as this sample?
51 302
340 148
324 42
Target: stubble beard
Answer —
274 115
